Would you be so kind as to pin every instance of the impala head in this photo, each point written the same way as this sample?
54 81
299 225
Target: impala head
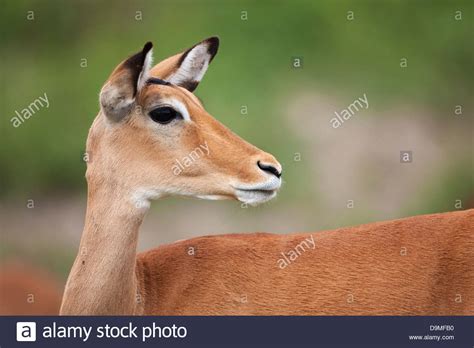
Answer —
154 138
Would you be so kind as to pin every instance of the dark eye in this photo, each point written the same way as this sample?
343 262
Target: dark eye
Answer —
164 114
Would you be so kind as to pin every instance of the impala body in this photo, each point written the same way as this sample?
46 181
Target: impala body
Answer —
149 121
417 266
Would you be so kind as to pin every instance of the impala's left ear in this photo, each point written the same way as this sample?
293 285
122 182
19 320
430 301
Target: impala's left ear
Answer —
188 68
119 91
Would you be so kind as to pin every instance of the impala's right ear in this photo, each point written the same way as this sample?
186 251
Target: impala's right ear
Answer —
187 69
118 94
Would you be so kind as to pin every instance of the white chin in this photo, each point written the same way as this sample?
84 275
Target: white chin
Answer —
212 197
255 197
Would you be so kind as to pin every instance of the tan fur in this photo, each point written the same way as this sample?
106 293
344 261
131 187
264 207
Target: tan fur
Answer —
166 67
350 271
360 270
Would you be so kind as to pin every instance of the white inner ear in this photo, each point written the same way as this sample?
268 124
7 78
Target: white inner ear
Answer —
144 74
193 67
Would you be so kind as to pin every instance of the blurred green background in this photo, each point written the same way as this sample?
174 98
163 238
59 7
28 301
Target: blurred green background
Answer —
347 48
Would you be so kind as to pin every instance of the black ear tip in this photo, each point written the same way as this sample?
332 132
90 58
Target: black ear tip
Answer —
148 46
213 39
213 43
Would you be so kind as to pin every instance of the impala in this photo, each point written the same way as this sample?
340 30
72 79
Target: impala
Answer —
149 119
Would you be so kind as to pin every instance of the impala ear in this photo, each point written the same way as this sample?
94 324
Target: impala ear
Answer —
118 93
188 68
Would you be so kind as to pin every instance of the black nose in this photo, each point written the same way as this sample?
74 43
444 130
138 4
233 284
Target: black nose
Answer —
269 168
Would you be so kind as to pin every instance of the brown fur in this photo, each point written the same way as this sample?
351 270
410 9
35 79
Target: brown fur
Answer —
350 271
360 270
28 290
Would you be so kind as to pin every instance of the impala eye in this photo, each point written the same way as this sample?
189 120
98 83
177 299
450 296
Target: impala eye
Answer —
164 114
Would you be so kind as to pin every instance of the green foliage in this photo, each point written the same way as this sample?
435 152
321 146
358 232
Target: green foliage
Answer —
253 67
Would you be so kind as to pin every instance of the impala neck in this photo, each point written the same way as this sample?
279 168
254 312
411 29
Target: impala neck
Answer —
103 279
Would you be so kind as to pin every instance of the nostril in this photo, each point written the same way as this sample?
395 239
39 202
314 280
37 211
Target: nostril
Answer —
269 168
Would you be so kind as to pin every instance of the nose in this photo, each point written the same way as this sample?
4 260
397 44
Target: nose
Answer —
269 169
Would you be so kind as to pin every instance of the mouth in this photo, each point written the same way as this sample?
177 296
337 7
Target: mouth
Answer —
257 194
